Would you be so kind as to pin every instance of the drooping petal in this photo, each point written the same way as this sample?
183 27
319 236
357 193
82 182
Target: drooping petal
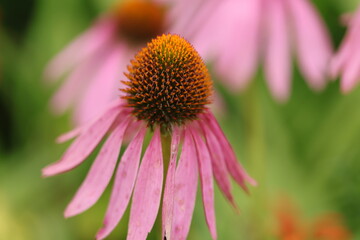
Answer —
346 60
123 185
218 164
69 135
78 130
235 169
312 42
192 25
169 191
277 51
81 48
185 189
73 86
100 173
345 51
207 187
83 145
103 87
180 13
147 192
351 71
206 46
339 61
237 62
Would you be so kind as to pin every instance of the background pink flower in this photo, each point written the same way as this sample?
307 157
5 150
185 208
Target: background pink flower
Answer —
241 32
96 59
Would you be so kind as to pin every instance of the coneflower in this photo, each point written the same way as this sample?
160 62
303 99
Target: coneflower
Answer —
166 94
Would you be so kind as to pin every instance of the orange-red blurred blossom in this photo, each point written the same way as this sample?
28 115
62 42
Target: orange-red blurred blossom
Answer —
290 225
330 227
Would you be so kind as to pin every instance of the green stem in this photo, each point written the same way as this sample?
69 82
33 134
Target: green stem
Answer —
166 151
255 148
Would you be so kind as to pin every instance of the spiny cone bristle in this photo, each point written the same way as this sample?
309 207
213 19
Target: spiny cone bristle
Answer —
139 20
168 83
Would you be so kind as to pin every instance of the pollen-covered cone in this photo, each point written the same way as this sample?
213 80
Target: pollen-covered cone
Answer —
94 61
166 94
346 62
248 32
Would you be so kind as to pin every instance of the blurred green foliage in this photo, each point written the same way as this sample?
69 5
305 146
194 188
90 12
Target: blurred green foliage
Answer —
307 148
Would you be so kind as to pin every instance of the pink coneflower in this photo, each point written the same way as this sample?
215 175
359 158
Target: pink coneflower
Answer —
247 30
97 58
166 94
346 62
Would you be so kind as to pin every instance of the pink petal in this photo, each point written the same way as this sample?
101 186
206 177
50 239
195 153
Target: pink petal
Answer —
237 62
81 48
185 189
100 173
313 43
350 40
169 191
70 135
277 52
234 168
103 85
338 62
180 13
346 62
83 145
78 130
351 72
192 25
147 193
218 164
207 188
206 46
73 86
123 185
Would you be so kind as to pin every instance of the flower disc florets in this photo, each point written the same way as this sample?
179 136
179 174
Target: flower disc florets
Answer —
140 20
168 83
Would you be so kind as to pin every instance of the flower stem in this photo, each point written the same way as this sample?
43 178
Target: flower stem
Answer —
255 147
166 151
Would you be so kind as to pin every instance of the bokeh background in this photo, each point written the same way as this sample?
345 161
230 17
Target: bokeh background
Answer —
305 153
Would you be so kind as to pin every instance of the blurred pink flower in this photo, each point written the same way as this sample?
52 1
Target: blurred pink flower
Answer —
243 31
346 62
97 58
167 91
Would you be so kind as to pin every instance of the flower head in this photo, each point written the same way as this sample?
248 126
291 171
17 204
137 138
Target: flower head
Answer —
167 90
267 30
105 49
346 62
168 83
